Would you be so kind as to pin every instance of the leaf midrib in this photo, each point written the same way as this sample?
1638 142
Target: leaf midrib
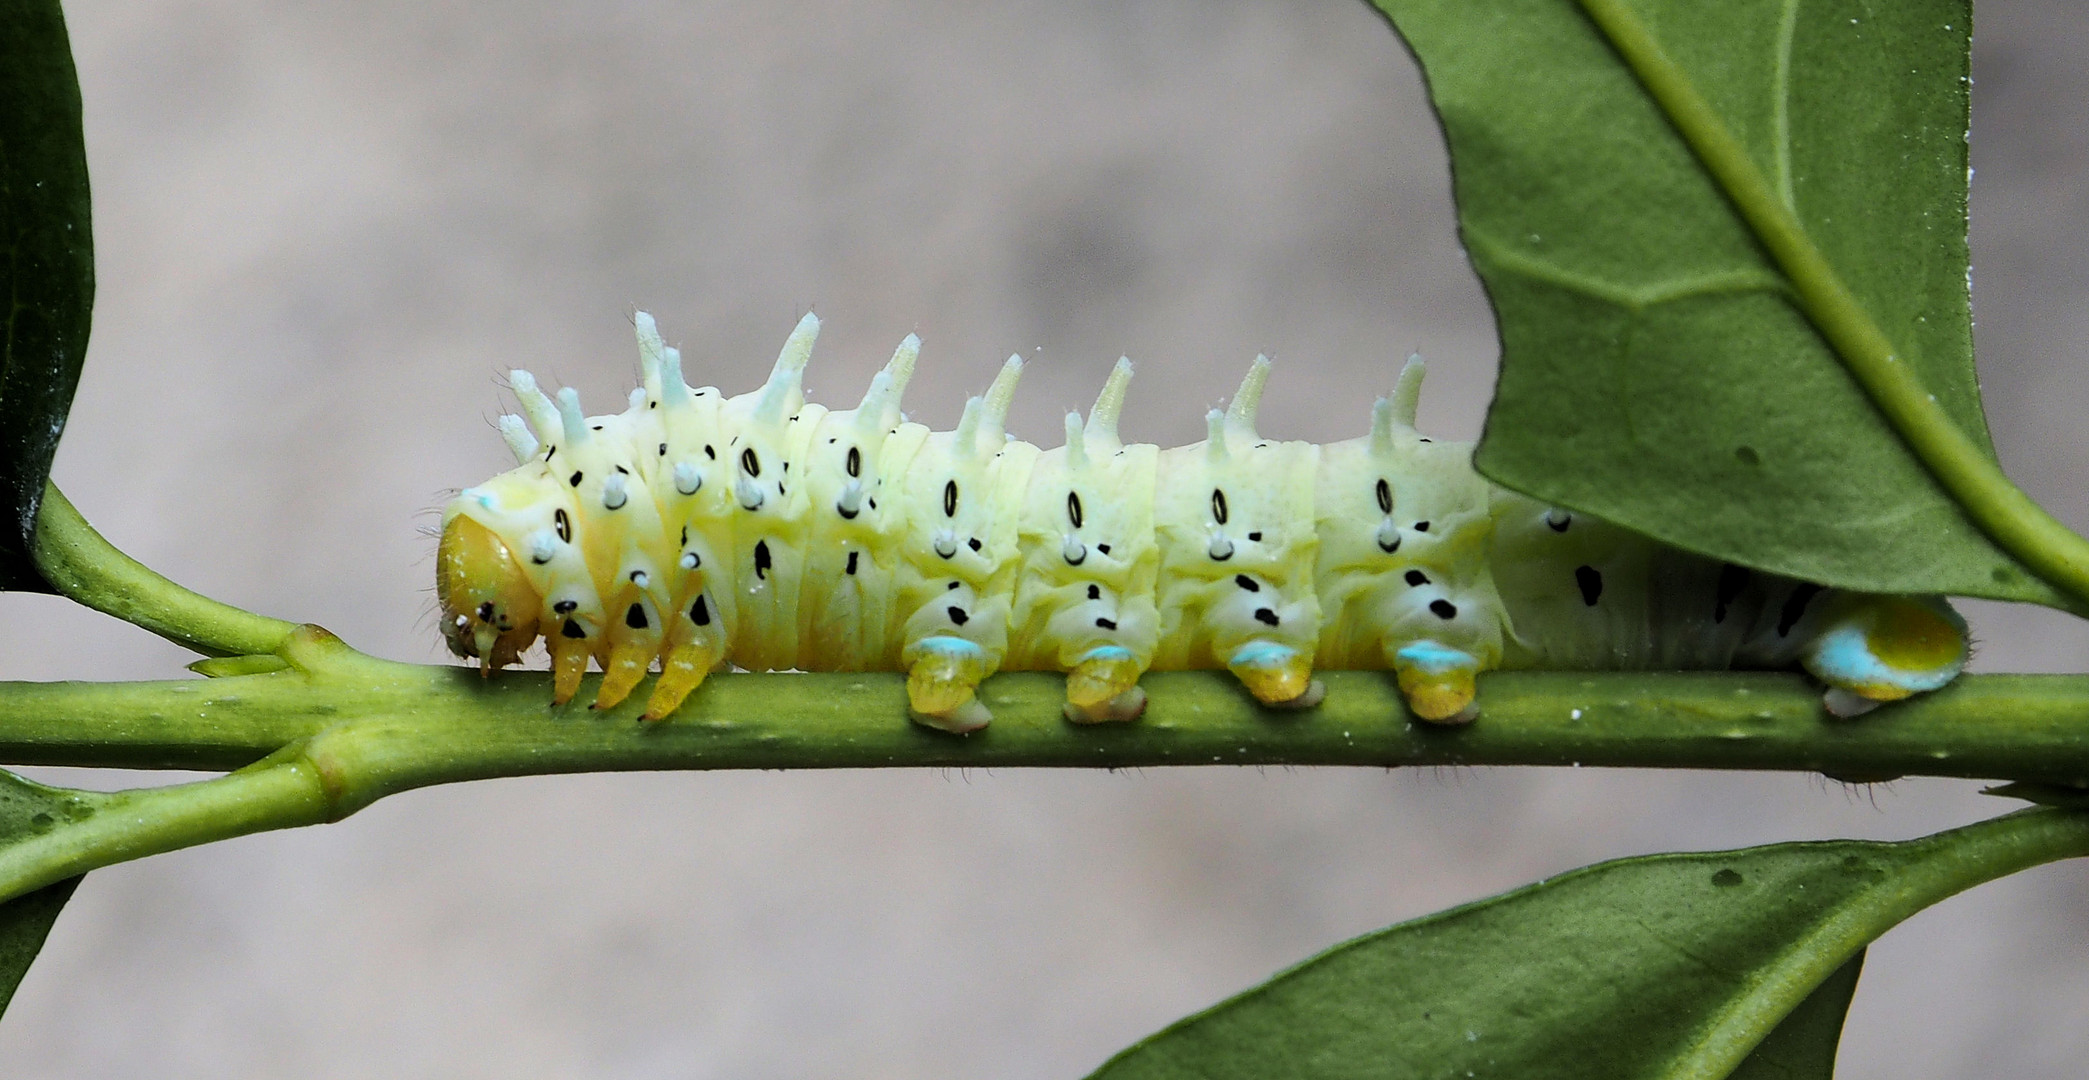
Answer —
1962 466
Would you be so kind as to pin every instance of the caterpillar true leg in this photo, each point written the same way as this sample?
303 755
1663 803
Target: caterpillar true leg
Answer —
1875 649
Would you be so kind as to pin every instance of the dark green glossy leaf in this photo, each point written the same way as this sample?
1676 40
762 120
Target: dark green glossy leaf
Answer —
1665 966
1656 366
46 265
1802 1047
28 809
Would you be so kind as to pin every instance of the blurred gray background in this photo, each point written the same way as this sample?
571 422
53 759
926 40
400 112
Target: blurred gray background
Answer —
323 232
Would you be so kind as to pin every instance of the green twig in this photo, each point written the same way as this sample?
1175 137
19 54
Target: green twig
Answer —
82 565
1961 465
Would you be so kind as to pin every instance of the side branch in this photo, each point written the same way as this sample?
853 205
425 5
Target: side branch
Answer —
82 565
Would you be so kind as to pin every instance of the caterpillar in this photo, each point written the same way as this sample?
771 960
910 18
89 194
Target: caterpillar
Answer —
765 532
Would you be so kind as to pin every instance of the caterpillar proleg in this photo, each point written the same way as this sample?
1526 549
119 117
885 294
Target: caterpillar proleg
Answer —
693 531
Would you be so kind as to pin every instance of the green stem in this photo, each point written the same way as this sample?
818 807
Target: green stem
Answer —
336 730
1961 464
82 565
437 724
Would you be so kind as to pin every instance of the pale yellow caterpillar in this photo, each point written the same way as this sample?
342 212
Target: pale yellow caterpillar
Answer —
696 531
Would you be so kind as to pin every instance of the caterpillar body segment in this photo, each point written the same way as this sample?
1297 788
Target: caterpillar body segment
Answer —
696 531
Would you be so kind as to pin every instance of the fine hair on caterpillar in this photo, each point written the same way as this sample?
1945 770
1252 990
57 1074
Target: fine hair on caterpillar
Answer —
697 531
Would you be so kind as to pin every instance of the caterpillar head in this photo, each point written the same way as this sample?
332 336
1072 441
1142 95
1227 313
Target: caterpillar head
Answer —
489 607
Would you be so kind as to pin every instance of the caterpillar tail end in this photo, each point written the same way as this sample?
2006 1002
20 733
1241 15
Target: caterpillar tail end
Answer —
1886 648
1438 682
1103 687
943 683
1279 676
682 670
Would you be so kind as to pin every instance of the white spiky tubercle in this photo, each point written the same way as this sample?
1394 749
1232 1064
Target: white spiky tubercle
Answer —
773 533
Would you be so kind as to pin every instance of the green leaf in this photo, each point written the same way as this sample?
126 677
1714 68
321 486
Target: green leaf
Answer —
1662 365
1802 1046
29 809
1664 966
46 265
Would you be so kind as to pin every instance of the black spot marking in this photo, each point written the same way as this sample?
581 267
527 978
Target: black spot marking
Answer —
563 524
1732 579
700 612
750 464
851 568
855 461
1428 440
950 498
1392 547
685 536
1095 592
572 630
1246 582
874 502
636 575
1591 583
598 427
1266 616
1559 524
1417 578
623 470
1443 609
973 543
710 453
695 561
957 615
565 607
1218 506
1255 537
846 513
663 449
761 559
781 490
635 617
1421 526
953 584
1795 607
1385 497
1107 624
1073 508
1104 548
574 479
550 450
486 611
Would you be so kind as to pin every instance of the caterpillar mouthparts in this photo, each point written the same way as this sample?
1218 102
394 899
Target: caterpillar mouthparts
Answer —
693 531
